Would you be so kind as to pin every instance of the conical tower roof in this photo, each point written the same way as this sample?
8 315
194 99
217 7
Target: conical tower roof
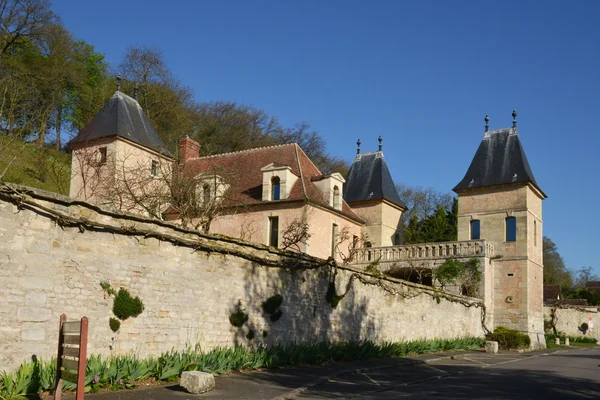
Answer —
500 159
369 179
123 116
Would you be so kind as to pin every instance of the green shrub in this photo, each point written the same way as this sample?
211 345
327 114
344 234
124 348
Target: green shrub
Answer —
331 296
114 323
509 338
584 327
125 306
271 305
238 318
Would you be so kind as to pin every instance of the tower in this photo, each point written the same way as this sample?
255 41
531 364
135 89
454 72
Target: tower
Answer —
117 156
371 192
500 201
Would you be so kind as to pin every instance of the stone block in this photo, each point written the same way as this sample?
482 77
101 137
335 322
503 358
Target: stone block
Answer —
197 382
491 347
556 340
36 283
567 342
33 314
35 299
35 332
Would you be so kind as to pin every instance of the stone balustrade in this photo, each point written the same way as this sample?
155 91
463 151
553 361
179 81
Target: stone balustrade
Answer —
425 251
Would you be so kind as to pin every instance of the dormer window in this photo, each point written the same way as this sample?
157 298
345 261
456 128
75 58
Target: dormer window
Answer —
337 199
278 181
275 188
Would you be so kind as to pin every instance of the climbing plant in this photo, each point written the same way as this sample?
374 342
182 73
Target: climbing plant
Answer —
271 307
124 305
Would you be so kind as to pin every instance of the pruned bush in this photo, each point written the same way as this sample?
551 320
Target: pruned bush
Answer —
238 318
271 305
126 306
509 338
114 324
331 296
572 339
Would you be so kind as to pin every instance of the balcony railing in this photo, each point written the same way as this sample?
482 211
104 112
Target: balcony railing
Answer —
425 251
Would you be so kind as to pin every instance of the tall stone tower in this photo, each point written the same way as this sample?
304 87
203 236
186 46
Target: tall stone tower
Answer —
500 201
371 192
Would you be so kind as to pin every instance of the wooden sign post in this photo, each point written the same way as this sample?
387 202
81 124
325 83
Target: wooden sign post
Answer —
72 347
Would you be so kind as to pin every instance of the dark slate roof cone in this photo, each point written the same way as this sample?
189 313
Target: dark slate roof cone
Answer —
369 179
123 116
500 159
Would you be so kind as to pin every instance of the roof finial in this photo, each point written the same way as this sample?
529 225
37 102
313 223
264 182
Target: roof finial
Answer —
487 122
118 83
358 147
135 91
514 115
380 140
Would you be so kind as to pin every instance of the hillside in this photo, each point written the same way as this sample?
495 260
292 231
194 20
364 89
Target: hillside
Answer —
26 164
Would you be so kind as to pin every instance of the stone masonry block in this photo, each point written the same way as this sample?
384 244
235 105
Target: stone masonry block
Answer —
491 347
197 382
33 332
33 314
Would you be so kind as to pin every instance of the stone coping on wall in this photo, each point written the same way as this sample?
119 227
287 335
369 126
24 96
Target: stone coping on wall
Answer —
67 212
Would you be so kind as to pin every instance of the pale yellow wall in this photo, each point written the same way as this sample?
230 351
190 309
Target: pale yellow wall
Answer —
518 274
254 226
382 221
88 177
126 161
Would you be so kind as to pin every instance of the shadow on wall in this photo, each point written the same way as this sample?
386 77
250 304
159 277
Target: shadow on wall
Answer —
305 314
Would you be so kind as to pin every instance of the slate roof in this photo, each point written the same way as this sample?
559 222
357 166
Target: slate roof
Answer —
123 116
500 159
369 179
246 166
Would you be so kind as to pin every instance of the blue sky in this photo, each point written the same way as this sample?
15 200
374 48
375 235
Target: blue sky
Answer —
421 74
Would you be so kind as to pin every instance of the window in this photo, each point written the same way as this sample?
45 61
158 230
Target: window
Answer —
354 241
396 240
511 229
334 235
336 198
274 231
475 229
206 193
535 233
103 153
154 168
275 188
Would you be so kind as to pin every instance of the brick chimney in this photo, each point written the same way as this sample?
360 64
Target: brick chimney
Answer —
188 149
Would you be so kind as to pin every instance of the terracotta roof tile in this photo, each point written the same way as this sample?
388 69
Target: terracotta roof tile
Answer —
246 166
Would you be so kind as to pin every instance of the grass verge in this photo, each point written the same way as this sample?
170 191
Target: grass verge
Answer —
125 372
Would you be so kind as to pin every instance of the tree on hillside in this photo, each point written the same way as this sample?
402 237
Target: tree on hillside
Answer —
585 275
23 20
555 270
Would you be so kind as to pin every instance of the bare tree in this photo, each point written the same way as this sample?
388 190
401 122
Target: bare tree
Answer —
23 19
347 245
295 234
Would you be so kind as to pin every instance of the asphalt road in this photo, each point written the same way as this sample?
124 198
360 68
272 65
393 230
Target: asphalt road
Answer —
565 374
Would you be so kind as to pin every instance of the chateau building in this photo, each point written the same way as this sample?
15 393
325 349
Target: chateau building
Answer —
270 194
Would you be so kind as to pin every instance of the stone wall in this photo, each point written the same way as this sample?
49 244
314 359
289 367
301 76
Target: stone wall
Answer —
55 252
568 319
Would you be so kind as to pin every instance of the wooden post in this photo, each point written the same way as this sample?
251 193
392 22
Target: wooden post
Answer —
82 358
58 388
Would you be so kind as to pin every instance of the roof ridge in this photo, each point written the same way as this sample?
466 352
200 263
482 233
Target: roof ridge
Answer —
243 151
309 159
